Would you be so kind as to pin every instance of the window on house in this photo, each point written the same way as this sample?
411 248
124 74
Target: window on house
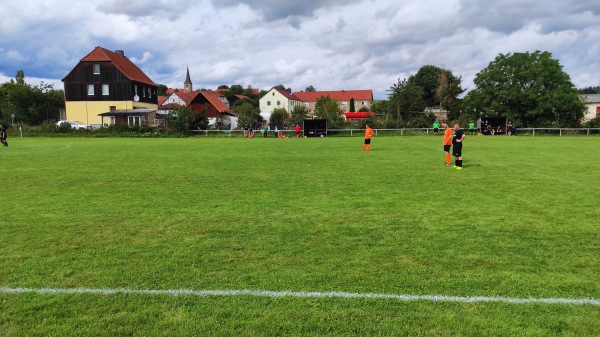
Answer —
268 102
149 92
278 103
363 103
112 108
133 120
90 89
105 89
143 92
306 105
108 120
344 103
96 68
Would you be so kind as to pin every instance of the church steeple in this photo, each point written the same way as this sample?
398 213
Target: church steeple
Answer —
188 82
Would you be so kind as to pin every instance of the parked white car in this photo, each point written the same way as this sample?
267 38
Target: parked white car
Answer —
74 124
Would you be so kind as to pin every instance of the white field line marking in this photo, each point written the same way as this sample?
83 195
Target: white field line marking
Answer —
267 293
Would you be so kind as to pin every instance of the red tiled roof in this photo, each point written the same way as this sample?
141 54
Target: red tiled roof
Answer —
213 98
172 90
288 94
162 99
186 96
128 68
341 95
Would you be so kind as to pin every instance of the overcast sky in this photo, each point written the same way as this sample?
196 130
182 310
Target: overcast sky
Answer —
329 44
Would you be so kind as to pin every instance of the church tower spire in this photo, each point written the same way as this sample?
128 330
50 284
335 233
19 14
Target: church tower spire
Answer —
188 82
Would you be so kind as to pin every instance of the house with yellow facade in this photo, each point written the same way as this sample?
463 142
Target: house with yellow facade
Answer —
106 88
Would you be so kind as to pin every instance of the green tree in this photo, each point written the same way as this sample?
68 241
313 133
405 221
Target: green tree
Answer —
447 92
440 88
185 118
32 105
310 88
328 108
280 117
162 90
20 77
531 89
248 114
428 79
235 89
589 90
404 98
299 114
352 106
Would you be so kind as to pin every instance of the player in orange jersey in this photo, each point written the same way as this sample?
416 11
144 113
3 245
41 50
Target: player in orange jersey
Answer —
368 135
447 141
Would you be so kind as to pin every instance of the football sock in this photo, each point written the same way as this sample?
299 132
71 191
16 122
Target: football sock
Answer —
459 163
448 158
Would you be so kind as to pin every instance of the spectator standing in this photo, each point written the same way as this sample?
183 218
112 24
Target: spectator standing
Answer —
457 142
436 128
265 131
471 128
298 130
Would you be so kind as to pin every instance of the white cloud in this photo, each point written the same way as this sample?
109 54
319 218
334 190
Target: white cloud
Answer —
330 44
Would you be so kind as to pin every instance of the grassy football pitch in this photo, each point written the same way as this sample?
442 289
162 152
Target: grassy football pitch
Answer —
104 237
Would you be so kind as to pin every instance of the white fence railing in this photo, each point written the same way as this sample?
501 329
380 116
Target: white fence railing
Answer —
406 131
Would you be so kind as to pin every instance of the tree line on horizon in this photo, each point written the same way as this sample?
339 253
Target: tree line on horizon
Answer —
530 89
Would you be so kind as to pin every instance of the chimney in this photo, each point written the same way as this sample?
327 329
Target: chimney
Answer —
120 52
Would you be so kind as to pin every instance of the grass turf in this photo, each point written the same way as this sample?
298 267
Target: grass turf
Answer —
299 215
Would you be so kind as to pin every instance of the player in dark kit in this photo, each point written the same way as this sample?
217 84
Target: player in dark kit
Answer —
3 135
457 142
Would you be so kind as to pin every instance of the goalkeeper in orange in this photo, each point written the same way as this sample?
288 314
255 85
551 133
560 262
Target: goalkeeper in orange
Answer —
368 135
447 141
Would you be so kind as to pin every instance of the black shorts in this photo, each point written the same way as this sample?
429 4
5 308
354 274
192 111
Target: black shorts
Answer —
457 150
435 129
447 148
368 141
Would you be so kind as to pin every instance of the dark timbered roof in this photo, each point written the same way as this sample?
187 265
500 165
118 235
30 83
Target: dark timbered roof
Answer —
122 63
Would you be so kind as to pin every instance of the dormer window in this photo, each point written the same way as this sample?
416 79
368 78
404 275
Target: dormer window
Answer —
96 69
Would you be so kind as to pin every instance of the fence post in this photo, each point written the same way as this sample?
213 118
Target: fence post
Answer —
401 132
533 132
560 132
588 133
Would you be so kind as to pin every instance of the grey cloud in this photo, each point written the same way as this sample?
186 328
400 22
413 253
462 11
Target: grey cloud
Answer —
143 8
508 16
282 9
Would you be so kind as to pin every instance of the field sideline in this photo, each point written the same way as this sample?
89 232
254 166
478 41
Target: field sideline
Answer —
299 216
